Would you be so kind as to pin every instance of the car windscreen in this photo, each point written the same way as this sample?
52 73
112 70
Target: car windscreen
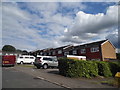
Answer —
37 58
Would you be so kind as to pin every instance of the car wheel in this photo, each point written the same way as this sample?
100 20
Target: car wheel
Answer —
38 67
45 66
21 62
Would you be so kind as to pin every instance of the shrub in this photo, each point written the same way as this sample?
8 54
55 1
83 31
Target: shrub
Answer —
77 68
104 69
63 66
114 67
88 69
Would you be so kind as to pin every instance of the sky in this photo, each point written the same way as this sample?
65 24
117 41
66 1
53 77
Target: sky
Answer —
38 25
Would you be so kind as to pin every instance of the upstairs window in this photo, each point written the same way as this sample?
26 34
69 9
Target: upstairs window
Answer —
74 52
49 53
60 51
83 51
41 53
53 52
66 53
95 49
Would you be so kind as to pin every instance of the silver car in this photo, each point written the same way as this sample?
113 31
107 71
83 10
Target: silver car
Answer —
46 61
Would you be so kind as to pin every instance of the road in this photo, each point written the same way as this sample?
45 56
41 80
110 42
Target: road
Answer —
12 78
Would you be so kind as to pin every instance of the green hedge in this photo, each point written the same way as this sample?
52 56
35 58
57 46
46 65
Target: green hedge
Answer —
114 67
103 69
76 68
88 69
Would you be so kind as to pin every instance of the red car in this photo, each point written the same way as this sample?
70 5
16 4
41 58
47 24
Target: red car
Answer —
8 60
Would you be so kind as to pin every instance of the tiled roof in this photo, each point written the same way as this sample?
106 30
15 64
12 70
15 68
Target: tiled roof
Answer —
91 44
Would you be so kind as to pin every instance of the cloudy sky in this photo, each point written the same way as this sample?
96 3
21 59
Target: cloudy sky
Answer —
38 25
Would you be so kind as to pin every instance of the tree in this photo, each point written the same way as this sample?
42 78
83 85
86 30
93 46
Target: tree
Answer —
8 48
19 51
25 52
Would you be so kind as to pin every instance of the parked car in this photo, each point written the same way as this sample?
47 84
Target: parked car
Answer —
25 59
8 60
46 61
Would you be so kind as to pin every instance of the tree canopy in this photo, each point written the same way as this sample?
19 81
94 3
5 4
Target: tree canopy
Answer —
8 48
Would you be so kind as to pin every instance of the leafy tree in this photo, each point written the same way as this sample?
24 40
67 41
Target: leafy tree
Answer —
8 48
19 51
25 52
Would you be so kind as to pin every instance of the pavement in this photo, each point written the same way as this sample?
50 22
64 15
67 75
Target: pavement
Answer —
52 75
16 79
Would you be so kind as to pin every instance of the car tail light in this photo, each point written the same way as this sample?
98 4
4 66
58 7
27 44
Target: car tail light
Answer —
39 60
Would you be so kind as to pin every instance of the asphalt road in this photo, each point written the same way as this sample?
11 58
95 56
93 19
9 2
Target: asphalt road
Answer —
12 78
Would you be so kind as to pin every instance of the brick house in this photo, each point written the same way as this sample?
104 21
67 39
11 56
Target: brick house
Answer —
101 50
60 51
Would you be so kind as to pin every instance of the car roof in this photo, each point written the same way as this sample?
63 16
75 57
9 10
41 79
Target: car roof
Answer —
46 56
26 56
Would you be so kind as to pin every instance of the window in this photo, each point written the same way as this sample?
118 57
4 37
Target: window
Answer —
53 52
31 58
83 50
41 53
60 51
49 53
95 49
26 57
21 57
47 59
45 54
74 52
66 53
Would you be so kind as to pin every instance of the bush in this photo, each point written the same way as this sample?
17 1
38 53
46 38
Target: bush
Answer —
77 68
104 69
63 66
88 69
114 67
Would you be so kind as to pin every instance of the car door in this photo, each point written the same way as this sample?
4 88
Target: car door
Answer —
55 62
48 61
27 59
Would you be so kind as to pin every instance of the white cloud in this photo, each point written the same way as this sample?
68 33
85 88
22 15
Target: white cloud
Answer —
24 29
19 26
90 26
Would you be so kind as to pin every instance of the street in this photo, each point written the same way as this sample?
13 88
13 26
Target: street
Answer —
16 79
28 76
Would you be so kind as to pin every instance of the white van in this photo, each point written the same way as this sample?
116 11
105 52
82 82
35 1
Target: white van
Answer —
25 59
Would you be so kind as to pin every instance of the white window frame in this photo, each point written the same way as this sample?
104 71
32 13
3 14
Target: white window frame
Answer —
74 52
66 53
41 53
53 53
59 51
83 51
94 49
49 53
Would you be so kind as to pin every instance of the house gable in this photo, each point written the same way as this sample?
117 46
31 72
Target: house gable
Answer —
108 51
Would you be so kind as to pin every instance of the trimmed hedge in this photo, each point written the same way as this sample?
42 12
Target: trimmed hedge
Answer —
77 68
88 69
103 69
114 67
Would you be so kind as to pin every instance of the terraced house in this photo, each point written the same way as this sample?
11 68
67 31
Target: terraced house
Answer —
101 50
